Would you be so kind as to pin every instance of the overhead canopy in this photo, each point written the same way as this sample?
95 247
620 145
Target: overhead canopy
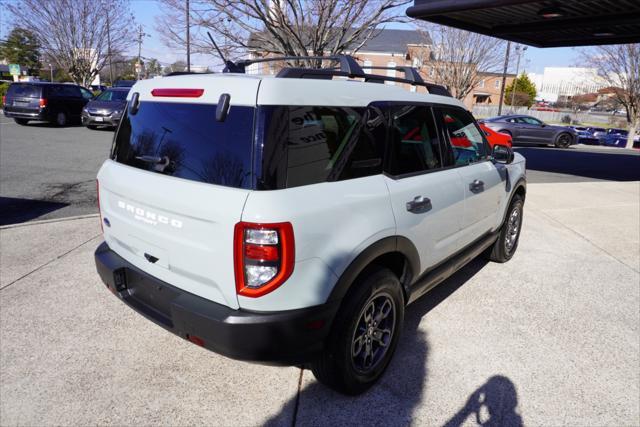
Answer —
539 23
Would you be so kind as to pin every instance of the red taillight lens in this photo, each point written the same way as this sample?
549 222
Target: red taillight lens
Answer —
264 256
178 93
4 99
99 210
43 102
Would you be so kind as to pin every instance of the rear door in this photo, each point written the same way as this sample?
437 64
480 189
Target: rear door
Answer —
427 199
23 98
482 181
178 180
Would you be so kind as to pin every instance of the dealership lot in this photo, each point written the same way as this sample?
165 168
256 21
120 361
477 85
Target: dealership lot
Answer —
550 338
48 172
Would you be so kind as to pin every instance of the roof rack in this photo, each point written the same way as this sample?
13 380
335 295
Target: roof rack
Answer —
348 67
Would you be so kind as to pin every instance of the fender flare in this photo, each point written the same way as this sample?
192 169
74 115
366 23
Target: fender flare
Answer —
521 183
387 245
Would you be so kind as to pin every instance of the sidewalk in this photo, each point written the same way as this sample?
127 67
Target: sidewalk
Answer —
552 337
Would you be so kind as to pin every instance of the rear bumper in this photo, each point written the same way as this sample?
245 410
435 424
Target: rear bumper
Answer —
24 115
280 338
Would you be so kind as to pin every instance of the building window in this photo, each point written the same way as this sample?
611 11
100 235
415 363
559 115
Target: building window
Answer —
391 73
481 84
497 84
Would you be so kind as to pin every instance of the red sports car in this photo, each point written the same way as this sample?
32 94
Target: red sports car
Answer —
495 137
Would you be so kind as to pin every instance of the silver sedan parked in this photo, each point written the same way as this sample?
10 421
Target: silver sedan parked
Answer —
529 130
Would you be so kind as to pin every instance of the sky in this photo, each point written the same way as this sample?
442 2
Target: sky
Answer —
145 11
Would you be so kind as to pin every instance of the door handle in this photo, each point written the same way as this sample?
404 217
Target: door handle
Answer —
476 186
419 204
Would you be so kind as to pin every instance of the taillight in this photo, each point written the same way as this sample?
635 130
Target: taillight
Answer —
43 102
263 257
4 99
99 210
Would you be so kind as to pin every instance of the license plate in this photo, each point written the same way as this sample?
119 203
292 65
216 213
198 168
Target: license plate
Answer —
20 104
99 119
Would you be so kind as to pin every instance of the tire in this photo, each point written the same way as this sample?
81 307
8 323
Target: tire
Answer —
563 140
507 243
338 367
61 119
22 122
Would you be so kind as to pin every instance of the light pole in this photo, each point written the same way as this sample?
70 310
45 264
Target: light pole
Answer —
504 78
519 50
51 69
188 41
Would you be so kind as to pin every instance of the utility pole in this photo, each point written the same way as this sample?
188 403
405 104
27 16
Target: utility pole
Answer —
519 51
51 69
141 34
504 78
109 48
188 41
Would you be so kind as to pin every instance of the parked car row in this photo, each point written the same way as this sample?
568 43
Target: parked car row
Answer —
63 103
607 137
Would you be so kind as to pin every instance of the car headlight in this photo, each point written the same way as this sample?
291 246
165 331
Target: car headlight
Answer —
117 112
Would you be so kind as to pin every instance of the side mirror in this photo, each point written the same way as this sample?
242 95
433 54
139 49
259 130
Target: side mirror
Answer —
502 154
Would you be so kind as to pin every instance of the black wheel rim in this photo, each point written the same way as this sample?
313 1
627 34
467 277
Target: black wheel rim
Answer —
513 229
564 140
373 333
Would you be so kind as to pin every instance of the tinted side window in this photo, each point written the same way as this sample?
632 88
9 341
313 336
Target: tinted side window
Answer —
464 137
71 91
306 145
86 94
414 141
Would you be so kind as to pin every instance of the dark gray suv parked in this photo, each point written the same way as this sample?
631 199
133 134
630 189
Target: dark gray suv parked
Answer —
529 130
57 103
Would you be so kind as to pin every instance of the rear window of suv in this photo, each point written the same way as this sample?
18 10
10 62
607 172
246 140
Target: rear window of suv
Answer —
24 91
186 141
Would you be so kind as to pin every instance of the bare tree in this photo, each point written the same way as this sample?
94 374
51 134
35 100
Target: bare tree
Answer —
619 67
278 27
74 32
457 56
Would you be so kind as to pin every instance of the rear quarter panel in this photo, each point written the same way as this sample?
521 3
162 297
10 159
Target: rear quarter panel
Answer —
332 223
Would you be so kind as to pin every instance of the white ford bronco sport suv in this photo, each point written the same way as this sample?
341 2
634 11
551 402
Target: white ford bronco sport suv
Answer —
290 219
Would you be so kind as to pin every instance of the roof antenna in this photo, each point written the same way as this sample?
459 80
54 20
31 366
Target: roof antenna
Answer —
229 66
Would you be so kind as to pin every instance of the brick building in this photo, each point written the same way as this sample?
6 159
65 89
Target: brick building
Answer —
393 48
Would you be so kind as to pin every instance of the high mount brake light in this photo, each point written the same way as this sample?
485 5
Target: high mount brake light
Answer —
264 256
178 93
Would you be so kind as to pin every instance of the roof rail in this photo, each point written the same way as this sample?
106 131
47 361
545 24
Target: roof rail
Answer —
348 67
347 63
410 73
184 73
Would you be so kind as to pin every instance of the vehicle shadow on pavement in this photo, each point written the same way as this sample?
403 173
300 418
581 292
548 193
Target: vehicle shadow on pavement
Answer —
606 165
393 400
15 210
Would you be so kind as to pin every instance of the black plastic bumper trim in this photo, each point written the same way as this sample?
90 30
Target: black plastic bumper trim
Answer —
281 338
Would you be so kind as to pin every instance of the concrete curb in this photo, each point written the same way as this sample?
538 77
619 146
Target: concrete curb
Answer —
47 221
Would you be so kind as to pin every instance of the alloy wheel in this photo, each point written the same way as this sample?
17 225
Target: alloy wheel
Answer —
374 333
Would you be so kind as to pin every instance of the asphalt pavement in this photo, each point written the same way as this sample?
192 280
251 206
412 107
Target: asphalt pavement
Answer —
550 338
49 172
